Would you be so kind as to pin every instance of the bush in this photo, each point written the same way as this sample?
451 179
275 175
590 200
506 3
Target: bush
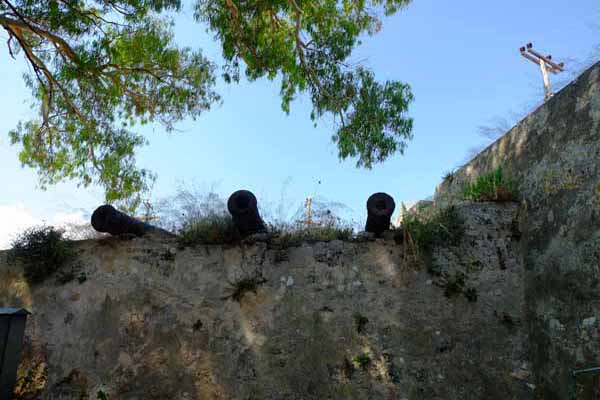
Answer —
423 232
210 229
188 206
42 251
492 186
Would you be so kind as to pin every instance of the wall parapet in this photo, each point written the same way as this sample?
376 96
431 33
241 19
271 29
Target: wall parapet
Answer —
324 320
553 156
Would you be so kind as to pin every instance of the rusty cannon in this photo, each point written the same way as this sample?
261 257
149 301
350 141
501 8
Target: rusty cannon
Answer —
242 206
107 219
380 207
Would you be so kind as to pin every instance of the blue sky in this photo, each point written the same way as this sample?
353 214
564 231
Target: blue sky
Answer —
461 59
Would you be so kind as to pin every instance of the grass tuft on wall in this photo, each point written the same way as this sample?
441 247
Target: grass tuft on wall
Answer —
493 186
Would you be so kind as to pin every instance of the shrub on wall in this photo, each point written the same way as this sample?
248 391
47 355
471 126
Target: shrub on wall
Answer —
424 231
492 186
200 216
209 229
220 229
442 227
41 251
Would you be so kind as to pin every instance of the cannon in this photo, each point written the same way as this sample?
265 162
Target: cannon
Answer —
380 207
12 329
242 206
107 219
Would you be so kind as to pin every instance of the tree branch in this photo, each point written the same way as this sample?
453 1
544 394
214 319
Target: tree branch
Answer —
25 25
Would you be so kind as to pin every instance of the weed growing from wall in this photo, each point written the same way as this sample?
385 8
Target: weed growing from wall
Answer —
455 284
362 361
41 251
249 283
449 176
70 273
492 186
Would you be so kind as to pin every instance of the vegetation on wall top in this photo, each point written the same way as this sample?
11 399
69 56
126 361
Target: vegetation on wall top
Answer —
201 217
210 229
434 228
42 251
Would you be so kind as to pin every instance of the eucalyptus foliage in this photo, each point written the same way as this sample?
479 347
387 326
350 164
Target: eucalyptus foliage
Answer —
100 67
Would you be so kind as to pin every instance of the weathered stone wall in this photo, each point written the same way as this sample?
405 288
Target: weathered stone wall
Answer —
349 320
553 155
154 321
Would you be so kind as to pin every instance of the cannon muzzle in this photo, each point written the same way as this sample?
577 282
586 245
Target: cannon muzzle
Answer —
107 219
12 329
380 207
242 206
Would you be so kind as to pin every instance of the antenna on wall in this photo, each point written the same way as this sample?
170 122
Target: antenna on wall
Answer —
546 65
308 213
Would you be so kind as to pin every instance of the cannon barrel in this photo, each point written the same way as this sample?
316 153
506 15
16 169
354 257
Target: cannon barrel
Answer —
107 219
242 206
380 207
12 329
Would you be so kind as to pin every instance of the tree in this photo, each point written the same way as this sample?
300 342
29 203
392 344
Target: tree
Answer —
100 67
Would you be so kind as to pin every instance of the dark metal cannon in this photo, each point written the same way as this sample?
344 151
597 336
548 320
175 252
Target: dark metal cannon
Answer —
12 328
380 207
242 206
107 219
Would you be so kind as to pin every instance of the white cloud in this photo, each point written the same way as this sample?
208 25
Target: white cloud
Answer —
15 218
63 219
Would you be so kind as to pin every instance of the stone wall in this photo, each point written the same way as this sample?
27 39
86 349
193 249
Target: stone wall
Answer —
328 320
512 310
553 155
